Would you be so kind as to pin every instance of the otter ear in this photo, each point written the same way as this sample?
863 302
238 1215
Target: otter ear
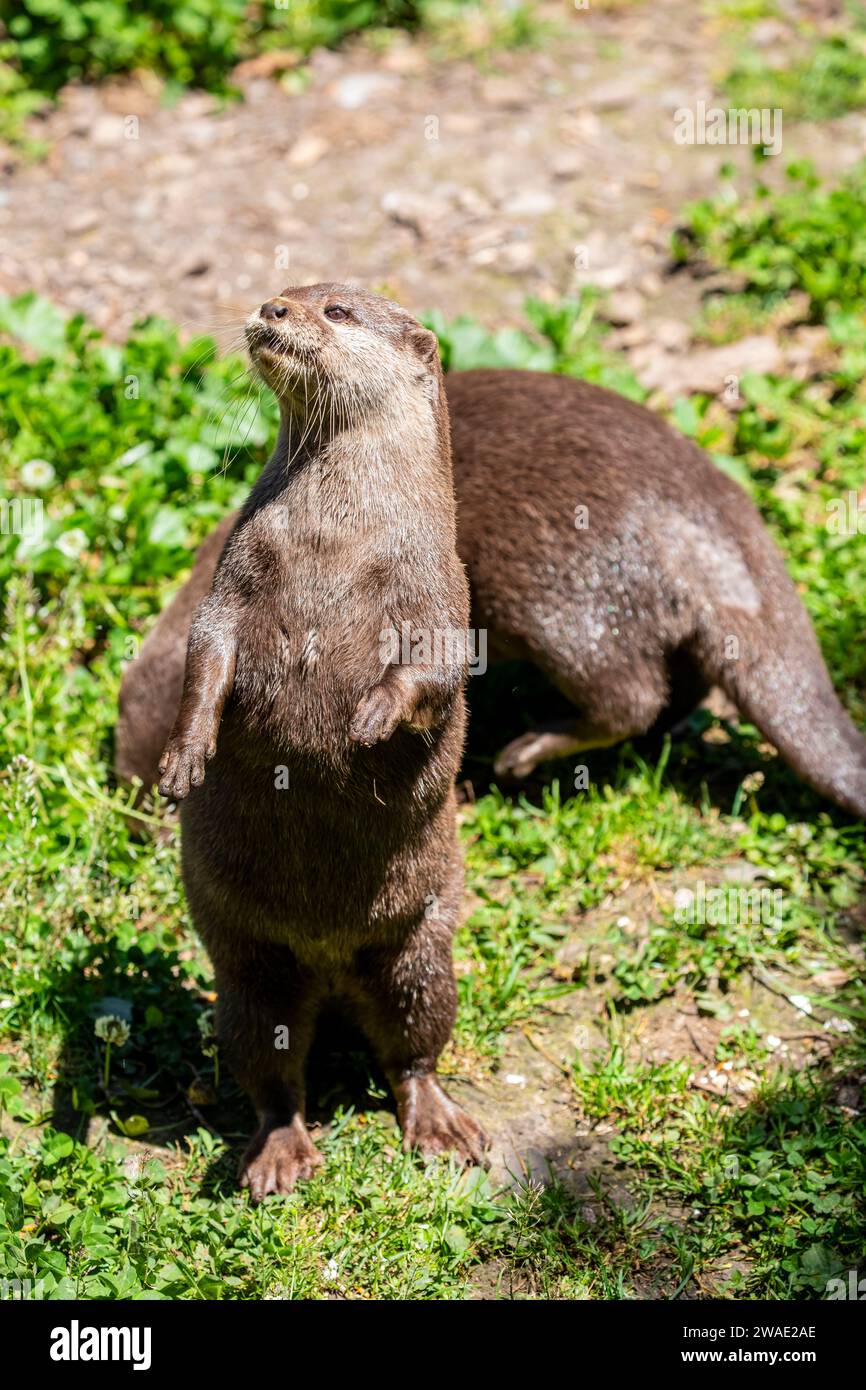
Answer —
423 343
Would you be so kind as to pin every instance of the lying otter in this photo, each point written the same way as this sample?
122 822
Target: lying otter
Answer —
608 549
316 764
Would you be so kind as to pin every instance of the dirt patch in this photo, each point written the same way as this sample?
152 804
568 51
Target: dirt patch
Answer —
453 186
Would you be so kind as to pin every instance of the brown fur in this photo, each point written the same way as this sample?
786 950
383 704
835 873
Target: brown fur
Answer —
632 617
318 824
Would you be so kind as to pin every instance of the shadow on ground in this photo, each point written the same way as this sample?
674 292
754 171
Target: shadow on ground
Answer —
515 696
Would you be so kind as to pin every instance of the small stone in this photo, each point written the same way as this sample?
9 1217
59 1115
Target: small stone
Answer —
567 165
403 57
354 91
610 277
266 64
504 91
107 130
624 307
83 221
740 871
193 266
610 96
412 210
632 335
307 151
651 284
518 255
529 202
801 1003
672 334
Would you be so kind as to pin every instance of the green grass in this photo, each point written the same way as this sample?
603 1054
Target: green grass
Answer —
807 238
770 1196
107 1224
824 78
195 43
116 1167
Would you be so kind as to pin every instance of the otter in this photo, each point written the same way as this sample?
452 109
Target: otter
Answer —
315 769
609 550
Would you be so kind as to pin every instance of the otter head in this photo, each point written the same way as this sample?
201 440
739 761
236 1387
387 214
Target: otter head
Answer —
335 353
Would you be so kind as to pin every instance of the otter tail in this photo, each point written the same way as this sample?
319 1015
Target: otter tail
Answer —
772 668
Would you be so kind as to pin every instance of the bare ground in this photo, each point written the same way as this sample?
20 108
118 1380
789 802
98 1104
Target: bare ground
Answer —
536 153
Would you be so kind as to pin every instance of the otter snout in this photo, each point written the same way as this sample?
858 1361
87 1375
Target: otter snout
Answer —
280 327
273 309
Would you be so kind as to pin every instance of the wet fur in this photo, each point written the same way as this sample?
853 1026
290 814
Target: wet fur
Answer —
345 882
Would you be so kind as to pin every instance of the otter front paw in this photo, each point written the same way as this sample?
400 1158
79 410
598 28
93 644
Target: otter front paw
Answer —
181 767
376 716
277 1158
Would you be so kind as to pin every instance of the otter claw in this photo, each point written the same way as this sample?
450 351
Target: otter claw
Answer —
277 1159
433 1124
181 768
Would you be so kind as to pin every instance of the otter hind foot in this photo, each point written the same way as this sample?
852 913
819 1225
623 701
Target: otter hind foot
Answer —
278 1157
434 1124
520 758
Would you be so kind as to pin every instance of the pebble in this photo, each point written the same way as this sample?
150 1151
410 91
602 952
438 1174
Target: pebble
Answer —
355 90
624 307
529 202
83 221
505 91
307 151
567 165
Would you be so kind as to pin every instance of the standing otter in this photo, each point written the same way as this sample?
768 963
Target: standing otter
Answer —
319 840
608 549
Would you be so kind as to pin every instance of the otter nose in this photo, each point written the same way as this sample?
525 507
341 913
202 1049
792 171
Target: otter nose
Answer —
273 309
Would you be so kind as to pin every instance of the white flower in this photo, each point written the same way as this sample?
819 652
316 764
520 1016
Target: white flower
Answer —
112 1029
37 473
72 543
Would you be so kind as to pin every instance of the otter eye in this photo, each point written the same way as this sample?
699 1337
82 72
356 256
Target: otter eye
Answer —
336 313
